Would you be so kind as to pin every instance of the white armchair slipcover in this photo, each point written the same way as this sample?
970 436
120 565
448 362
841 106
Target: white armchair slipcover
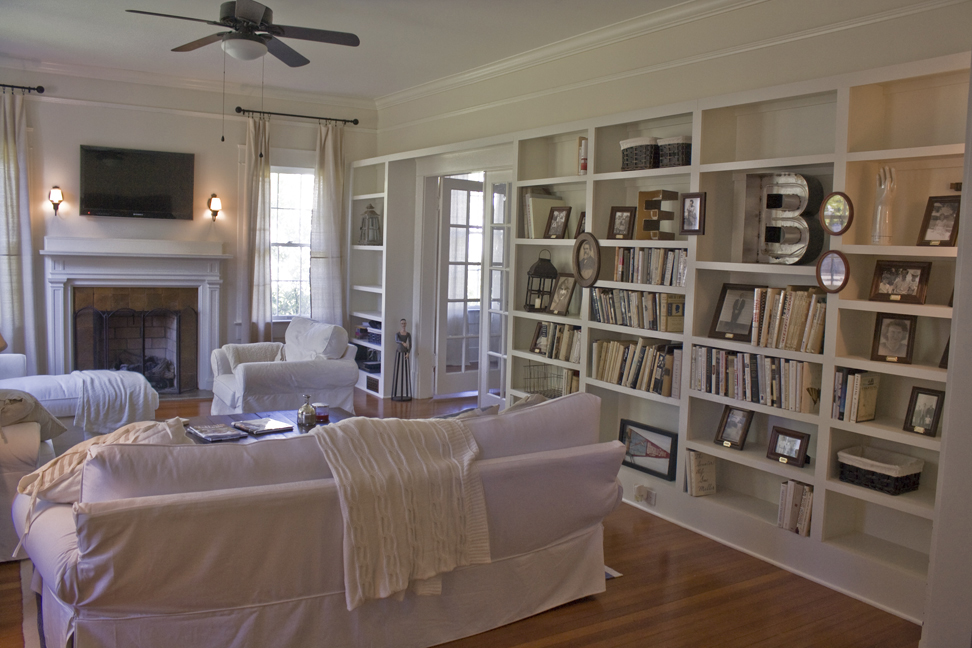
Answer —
266 376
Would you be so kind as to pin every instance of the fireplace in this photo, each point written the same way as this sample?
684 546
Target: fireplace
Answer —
152 331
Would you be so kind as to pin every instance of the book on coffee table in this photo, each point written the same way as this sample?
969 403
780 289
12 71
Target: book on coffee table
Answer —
215 432
263 426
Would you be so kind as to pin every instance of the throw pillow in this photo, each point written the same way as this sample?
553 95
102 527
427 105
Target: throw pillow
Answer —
308 340
238 354
529 401
20 407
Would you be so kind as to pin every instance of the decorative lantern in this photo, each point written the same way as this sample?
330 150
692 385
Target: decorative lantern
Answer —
370 233
541 279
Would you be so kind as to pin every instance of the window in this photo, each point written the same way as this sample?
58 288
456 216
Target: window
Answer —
291 206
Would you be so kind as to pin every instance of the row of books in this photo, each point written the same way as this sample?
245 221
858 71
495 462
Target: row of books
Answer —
656 266
644 310
790 318
701 474
557 341
796 504
571 382
756 378
855 395
641 365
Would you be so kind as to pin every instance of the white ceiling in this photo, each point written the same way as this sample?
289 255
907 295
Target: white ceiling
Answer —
404 43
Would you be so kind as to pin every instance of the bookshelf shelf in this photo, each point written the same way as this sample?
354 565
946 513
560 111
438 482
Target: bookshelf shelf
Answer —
753 507
756 407
889 429
637 393
562 180
921 310
893 155
920 503
918 372
758 268
637 332
799 161
369 289
893 251
910 561
643 287
643 173
746 347
370 196
537 357
755 457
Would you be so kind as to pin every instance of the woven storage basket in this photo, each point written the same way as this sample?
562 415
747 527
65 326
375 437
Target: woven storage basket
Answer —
880 470
675 151
639 153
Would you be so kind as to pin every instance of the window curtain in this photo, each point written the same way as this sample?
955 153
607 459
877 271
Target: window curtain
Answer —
256 200
17 313
327 228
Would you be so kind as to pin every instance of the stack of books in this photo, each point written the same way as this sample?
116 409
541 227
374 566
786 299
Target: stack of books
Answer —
796 502
855 395
655 266
640 365
790 318
215 432
644 310
557 341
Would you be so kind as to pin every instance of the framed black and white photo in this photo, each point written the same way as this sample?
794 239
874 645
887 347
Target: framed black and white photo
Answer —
649 449
586 259
562 294
940 225
894 338
733 317
788 446
692 214
905 282
924 410
581 224
557 223
621 225
734 427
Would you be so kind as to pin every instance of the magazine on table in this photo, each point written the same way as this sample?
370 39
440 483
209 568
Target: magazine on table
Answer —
263 426
215 432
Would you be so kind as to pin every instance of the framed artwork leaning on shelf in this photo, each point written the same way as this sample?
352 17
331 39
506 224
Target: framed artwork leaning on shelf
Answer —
894 338
734 427
557 223
733 317
940 225
586 259
581 224
924 410
621 225
905 282
788 446
691 219
562 294
649 449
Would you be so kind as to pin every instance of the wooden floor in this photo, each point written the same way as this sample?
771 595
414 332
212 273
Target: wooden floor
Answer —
677 588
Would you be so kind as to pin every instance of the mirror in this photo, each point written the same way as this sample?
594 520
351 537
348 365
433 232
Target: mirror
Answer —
837 213
832 272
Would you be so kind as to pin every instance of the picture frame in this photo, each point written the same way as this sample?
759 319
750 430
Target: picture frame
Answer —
621 225
733 316
894 338
924 411
832 271
691 214
557 221
537 338
562 294
649 449
734 427
904 282
940 224
586 259
788 446
581 224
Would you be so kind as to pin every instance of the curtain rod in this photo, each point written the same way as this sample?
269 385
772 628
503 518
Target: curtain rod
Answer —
29 89
264 112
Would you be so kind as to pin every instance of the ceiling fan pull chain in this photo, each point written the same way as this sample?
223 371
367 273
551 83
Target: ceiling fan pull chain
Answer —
222 126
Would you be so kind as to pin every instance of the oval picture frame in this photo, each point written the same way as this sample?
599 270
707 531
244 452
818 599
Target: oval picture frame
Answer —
586 259
826 278
850 213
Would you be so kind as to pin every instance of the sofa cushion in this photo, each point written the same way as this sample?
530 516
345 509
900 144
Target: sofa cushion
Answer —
563 422
237 354
20 407
225 388
122 471
307 340
60 480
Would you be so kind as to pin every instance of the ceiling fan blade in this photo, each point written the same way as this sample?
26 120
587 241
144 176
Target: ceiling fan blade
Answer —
286 53
152 13
250 10
202 42
319 35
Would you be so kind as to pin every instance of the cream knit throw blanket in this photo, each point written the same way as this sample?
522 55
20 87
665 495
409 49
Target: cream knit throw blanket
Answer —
413 504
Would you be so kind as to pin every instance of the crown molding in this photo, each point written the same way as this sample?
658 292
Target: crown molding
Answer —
180 83
891 14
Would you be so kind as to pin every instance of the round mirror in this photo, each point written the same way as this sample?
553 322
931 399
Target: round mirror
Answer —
837 213
832 272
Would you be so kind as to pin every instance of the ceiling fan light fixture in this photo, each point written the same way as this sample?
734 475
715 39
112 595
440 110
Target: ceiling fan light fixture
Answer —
244 47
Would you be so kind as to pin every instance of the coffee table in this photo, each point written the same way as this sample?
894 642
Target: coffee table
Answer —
287 416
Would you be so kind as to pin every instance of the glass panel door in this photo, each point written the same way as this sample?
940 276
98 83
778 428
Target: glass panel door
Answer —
498 232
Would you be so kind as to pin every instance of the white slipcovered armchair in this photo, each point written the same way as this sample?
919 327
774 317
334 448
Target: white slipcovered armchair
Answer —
266 376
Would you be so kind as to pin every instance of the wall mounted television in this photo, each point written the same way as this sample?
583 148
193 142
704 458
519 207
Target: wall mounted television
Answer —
137 184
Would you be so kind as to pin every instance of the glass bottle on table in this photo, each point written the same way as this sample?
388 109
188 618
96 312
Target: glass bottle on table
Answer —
306 415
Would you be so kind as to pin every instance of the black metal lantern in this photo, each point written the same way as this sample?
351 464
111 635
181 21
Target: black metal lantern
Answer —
370 232
541 279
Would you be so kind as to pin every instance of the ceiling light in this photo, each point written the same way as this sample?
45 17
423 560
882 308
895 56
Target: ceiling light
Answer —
244 47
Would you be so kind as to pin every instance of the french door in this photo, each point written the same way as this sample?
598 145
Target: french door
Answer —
492 341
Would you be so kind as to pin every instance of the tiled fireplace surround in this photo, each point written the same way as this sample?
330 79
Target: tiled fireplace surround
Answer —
142 266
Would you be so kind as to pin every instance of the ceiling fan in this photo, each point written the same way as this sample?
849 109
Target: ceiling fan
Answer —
253 33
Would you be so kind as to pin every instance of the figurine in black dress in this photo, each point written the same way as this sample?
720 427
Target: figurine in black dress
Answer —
401 377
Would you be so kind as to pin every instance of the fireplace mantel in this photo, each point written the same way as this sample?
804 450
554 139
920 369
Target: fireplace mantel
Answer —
71 262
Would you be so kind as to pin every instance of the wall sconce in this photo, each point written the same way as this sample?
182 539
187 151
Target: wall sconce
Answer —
55 197
214 205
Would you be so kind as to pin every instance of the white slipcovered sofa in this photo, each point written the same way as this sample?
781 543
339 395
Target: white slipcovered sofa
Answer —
265 376
241 545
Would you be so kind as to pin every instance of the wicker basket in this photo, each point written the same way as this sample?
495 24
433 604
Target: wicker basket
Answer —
639 153
880 470
675 151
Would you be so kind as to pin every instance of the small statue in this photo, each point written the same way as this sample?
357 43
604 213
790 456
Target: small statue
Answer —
886 186
401 377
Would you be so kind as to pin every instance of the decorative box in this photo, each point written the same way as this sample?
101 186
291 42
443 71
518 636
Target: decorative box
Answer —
639 153
374 338
880 470
675 151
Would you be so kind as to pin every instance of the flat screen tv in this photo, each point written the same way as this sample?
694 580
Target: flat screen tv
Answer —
138 184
